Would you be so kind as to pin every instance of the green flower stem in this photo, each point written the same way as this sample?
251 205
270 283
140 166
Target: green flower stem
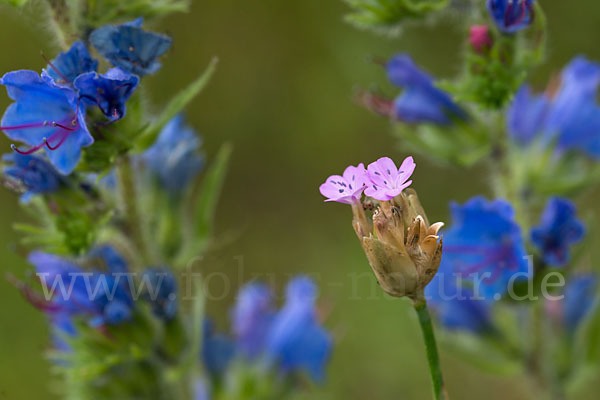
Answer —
129 199
439 391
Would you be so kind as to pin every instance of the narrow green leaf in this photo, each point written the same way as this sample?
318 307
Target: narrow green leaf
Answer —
204 204
209 195
178 103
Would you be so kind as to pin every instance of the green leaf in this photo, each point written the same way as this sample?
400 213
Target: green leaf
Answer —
205 204
178 103
103 12
14 3
211 190
387 16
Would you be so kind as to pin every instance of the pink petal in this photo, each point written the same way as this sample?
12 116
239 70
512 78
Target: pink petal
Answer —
383 172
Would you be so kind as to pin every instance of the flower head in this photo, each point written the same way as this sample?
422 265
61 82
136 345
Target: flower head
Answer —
405 250
485 241
108 91
386 180
511 16
347 188
67 66
45 115
420 101
559 228
130 48
174 157
34 173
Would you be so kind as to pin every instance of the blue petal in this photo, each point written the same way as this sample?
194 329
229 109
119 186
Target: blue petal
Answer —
34 173
252 317
130 48
296 339
217 351
484 239
174 157
527 116
511 16
38 106
108 91
580 297
72 63
421 101
559 229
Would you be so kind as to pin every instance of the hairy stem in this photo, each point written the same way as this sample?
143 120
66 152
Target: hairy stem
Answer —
129 199
439 391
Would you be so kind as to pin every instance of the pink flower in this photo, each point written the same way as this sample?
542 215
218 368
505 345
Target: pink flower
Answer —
347 188
387 181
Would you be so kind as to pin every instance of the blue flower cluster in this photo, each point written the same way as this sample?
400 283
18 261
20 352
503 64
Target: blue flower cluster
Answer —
484 254
49 110
288 340
566 117
99 290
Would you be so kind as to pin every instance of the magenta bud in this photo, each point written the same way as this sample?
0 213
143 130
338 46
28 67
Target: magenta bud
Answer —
480 38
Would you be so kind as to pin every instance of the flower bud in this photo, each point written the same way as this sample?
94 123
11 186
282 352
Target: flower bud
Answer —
403 250
480 38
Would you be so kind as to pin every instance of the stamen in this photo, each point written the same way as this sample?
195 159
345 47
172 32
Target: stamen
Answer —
60 142
45 141
29 151
64 78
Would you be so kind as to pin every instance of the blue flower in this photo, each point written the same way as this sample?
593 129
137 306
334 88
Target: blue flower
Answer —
161 292
34 173
511 16
99 296
579 298
70 64
45 115
174 157
290 340
575 117
296 339
252 317
559 228
569 117
109 91
420 101
217 350
131 48
485 244
527 115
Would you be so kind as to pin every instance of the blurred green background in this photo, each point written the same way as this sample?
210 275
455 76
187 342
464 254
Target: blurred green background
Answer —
283 96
